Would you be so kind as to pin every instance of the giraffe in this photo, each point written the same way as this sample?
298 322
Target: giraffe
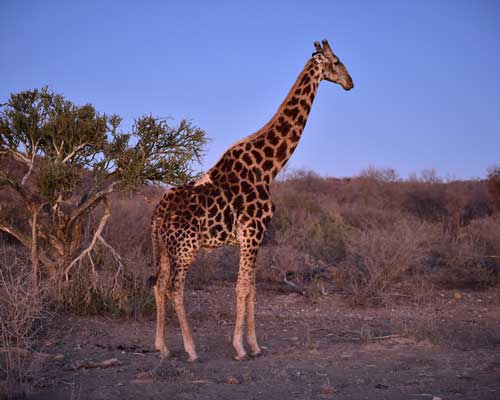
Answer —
231 205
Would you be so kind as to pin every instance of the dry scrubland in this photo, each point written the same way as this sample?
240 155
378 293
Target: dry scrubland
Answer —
364 245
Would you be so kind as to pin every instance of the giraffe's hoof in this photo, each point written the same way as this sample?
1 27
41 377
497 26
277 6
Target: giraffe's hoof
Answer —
194 359
164 352
255 354
241 357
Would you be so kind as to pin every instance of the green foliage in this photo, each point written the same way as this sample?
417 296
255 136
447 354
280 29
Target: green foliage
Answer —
70 138
62 160
56 179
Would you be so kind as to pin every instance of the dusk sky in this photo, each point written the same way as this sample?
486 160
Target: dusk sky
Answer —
426 73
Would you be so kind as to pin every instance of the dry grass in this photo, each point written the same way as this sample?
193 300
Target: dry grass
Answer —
471 258
23 313
379 258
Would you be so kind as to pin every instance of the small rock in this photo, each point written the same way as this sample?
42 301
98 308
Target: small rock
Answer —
327 389
381 386
232 381
144 375
457 296
436 398
110 362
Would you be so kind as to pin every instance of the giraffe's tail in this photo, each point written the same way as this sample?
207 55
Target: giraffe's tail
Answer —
154 252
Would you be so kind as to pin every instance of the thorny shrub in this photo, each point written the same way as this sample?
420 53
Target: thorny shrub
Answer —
23 312
378 258
471 259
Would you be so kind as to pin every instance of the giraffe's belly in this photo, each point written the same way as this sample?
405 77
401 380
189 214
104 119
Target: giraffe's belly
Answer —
213 243
216 237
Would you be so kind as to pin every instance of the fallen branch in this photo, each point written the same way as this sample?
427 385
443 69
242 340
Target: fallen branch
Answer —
26 352
110 362
294 286
394 336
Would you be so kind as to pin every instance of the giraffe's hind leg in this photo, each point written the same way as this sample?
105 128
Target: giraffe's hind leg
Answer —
183 261
160 291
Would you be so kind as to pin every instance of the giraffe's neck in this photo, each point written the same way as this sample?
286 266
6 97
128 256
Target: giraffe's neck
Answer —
267 151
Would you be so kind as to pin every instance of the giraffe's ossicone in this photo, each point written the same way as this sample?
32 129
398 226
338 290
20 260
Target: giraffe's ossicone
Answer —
231 205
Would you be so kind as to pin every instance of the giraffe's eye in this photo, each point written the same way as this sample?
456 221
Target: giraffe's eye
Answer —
336 62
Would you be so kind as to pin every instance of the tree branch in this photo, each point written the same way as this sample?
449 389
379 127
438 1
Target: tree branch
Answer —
18 188
17 155
98 237
76 150
275 265
90 202
26 242
24 239
31 164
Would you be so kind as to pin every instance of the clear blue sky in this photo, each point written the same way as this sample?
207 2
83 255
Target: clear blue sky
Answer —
427 73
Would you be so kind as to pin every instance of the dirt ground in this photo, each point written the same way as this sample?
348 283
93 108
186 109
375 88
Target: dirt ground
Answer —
446 348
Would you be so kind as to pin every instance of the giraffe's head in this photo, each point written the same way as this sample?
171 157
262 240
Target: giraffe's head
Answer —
333 69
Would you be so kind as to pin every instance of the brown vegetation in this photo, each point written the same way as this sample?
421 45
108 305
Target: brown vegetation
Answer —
22 313
372 238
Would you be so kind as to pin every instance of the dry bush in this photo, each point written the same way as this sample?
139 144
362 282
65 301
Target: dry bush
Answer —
368 217
378 229
380 258
22 314
477 203
308 222
103 286
214 265
494 186
425 201
130 222
471 259
99 284
379 174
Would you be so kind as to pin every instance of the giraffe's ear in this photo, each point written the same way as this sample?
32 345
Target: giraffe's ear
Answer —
317 46
328 50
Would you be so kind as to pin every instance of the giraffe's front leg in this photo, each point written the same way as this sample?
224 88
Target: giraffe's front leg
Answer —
251 336
242 290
